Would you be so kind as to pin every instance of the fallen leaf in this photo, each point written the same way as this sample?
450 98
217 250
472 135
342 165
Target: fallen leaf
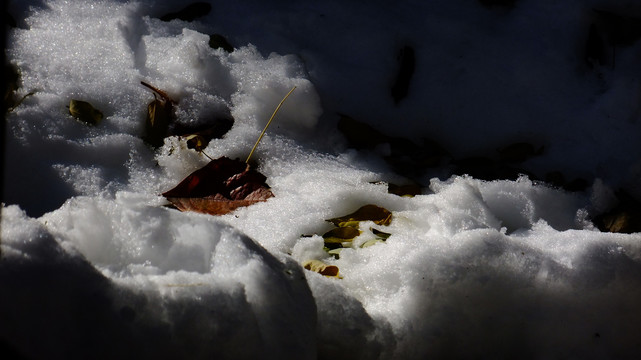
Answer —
337 236
84 112
342 233
625 217
159 114
321 268
157 122
377 214
198 139
334 252
220 187
380 234
372 242
196 142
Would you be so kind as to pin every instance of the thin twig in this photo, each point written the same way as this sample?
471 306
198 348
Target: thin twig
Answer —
269 122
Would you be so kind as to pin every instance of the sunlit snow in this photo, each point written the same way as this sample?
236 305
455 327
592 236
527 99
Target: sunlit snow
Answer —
94 265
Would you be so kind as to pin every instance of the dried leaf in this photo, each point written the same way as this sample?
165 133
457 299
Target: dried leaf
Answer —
342 233
377 214
335 252
211 205
159 114
196 142
220 187
321 268
84 112
199 139
337 236
380 234
372 242
157 122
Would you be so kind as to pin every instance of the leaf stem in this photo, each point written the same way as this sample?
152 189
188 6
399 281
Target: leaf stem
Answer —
269 122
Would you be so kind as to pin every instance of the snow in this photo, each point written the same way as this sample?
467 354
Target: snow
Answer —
95 266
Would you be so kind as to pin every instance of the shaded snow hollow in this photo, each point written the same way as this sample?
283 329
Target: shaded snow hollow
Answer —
94 266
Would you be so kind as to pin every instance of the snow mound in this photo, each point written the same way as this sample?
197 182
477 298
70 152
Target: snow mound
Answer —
94 265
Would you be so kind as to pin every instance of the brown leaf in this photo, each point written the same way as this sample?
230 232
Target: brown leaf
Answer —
198 138
337 236
210 204
220 187
377 214
321 268
160 114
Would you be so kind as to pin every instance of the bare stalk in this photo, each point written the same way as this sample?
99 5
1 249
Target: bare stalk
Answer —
269 122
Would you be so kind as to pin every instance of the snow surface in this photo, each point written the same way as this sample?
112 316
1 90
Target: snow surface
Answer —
94 266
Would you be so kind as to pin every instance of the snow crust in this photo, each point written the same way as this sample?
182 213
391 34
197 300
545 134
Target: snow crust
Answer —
94 266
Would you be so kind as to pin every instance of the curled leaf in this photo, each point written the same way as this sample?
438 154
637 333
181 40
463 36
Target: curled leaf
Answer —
159 115
198 139
377 214
157 123
196 142
84 112
369 243
335 252
213 205
380 234
221 186
321 268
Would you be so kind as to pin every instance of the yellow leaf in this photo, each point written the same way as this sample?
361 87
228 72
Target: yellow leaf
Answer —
371 242
321 268
335 252
196 142
84 112
380 234
377 214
